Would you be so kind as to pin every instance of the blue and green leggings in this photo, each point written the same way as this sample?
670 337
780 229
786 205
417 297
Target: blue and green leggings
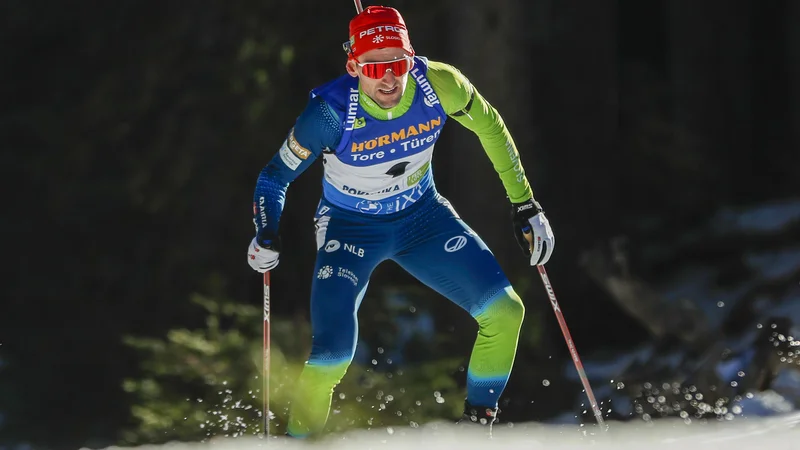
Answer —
434 245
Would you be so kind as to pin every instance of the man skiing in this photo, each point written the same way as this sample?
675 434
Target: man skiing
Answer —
374 129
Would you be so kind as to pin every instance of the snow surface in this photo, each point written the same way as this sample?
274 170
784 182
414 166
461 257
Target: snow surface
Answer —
777 432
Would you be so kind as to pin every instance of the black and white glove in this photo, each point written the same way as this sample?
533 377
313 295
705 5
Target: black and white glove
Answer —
263 255
533 232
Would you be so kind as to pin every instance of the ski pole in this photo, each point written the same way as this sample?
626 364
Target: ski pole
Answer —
571 345
359 8
265 377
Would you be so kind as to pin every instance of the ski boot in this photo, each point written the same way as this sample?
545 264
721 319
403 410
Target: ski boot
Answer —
479 416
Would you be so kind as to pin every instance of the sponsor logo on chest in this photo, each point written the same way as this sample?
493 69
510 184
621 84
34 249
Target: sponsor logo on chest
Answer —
404 136
396 143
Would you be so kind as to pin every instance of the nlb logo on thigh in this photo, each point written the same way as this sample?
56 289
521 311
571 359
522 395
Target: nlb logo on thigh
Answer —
334 245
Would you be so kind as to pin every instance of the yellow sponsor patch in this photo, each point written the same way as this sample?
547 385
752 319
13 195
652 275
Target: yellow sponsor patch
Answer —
296 148
395 136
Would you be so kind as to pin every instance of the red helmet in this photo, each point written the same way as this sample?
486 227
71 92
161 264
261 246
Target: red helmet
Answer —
377 27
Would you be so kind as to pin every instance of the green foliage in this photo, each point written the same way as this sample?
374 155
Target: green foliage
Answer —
204 383
186 374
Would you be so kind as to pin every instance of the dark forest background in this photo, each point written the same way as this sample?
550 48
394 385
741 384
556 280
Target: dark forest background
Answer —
132 134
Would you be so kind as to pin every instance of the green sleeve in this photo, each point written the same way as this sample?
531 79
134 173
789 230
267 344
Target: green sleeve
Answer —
455 91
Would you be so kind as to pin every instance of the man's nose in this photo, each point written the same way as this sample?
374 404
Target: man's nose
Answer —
389 77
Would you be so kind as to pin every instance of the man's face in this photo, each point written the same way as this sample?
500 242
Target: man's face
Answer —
388 90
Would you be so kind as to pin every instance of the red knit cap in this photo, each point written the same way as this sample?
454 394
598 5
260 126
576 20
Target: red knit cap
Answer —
378 27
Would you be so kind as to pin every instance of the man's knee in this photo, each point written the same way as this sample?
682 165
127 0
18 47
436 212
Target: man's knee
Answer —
504 312
324 374
332 351
334 339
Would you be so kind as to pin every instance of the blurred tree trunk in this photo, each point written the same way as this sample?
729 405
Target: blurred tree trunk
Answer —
571 100
710 56
575 98
791 21
487 45
772 165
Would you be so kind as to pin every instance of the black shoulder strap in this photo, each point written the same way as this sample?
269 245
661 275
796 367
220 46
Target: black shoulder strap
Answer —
466 108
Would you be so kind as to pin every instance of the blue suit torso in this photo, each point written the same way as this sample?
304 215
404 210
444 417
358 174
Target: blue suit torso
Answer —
381 166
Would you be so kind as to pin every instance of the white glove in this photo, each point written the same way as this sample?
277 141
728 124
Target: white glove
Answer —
261 259
541 239
533 232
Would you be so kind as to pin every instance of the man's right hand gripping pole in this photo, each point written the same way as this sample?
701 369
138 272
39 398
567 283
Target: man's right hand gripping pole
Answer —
263 255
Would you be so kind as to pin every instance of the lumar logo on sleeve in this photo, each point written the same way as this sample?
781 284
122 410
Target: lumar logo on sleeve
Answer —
394 136
427 90
352 109
296 148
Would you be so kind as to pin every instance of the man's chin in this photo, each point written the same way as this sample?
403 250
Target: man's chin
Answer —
388 103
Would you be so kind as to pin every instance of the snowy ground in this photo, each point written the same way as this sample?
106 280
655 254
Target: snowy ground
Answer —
773 433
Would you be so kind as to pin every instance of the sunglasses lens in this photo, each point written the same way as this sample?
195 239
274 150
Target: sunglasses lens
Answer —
399 67
374 70
378 70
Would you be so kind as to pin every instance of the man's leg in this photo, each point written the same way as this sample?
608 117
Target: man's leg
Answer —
340 280
450 258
